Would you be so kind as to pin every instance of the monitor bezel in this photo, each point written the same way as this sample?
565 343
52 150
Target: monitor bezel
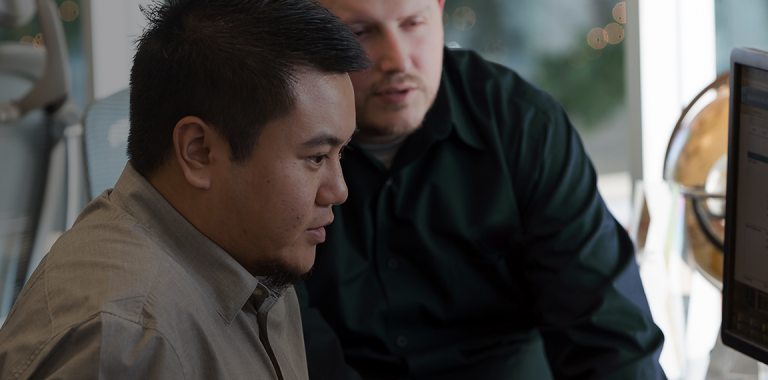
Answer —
740 57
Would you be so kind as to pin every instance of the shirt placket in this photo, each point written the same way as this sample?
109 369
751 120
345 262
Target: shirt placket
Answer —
263 301
389 263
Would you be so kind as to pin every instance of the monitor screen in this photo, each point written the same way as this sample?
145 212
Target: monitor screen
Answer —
745 277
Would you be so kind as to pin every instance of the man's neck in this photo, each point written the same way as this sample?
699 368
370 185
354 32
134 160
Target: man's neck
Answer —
384 149
379 140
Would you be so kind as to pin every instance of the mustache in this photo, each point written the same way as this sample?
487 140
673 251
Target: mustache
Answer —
395 80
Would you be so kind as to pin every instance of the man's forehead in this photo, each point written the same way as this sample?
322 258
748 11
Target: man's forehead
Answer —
351 11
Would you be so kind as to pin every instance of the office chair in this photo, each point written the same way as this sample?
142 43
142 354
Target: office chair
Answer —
40 140
106 140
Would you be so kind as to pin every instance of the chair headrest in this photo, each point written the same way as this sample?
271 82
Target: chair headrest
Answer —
14 13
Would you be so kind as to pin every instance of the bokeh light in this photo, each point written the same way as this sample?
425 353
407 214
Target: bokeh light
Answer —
446 20
68 11
597 38
615 33
576 58
38 43
464 18
620 12
496 50
590 53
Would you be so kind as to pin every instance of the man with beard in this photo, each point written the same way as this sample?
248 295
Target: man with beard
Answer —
239 110
474 243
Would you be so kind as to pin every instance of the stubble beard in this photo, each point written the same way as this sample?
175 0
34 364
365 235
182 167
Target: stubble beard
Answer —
369 121
276 275
371 129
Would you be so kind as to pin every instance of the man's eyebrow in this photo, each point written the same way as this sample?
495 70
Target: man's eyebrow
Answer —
417 12
364 20
325 139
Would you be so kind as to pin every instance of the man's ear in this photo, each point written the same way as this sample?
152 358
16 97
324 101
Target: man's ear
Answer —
193 142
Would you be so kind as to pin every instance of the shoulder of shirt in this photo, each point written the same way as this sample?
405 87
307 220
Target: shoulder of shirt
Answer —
109 262
485 86
102 343
106 264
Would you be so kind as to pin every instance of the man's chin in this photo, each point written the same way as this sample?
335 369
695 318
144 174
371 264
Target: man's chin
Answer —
277 275
375 122
281 281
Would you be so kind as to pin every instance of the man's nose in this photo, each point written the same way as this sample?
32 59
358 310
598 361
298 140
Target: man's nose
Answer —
334 190
393 53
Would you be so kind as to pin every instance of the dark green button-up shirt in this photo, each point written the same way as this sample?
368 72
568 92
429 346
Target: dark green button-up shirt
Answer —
485 252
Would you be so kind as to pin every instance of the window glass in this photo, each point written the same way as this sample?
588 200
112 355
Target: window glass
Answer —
739 23
573 50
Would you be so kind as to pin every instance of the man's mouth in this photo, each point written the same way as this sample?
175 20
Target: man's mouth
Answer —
317 234
388 92
395 95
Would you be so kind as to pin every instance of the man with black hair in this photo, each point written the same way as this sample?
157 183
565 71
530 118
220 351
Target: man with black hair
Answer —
474 243
239 112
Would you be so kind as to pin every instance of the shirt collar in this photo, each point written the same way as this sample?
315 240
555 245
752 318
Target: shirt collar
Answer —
452 104
447 112
221 279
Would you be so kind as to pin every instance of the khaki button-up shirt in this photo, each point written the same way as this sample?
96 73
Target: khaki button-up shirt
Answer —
134 291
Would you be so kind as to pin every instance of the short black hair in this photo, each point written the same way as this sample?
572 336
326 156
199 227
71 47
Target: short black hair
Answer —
233 64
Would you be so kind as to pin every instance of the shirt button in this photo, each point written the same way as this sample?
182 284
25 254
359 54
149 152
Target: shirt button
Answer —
402 341
258 291
393 263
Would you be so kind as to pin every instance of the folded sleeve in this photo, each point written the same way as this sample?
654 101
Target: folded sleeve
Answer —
580 267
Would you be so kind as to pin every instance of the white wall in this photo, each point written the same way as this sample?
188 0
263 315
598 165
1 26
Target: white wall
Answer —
676 61
110 30
670 58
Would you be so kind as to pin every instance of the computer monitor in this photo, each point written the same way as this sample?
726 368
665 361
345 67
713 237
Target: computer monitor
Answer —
745 275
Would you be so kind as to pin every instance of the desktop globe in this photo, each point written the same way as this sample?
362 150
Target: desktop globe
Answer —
696 161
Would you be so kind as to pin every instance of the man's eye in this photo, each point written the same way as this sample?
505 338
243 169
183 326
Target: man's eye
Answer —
413 23
341 152
318 159
360 32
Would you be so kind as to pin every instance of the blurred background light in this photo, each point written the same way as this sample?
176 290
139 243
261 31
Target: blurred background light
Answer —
464 18
620 12
496 51
615 33
591 53
576 58
68 11
38 42
597 38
